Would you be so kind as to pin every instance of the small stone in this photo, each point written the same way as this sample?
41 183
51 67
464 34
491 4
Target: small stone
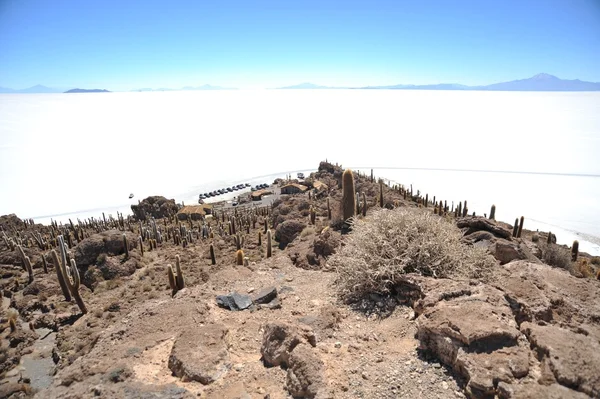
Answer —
250 290
338 344
444 385
289 279
238 367
364 375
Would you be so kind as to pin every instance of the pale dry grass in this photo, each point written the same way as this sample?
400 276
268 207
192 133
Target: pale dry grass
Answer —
390 243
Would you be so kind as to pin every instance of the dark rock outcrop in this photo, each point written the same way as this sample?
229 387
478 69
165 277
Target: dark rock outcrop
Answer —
287 231
156 207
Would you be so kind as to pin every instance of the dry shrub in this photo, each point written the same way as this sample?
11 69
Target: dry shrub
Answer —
390 243
557 256
583 268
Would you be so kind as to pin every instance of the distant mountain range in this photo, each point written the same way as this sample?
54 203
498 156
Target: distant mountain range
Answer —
87 91
33 89
539 82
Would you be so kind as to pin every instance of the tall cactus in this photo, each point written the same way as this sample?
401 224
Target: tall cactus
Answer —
493 212
381 193
213 260
73 282
179 278
364 204
269 244
239 257
575 251
515 228
348 199
126 246
520 227
59 266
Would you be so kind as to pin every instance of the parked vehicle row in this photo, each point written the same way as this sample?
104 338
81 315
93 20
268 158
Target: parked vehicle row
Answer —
223 191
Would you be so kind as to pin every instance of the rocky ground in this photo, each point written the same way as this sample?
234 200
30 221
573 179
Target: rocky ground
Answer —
274 327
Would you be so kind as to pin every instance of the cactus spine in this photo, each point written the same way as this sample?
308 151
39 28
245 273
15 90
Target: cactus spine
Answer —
575 251
239 257
493 212
269 244
348 199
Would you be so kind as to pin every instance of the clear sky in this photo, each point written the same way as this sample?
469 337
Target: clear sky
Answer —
123 45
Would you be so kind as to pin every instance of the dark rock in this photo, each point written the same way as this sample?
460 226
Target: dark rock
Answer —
156 207
234 301
118 374
265 295
108 242
274 304
474 223
200 354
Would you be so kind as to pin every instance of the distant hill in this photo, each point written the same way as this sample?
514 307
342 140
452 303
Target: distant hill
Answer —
539 82
87 91
31 90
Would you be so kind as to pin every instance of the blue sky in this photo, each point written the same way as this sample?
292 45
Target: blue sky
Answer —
123 45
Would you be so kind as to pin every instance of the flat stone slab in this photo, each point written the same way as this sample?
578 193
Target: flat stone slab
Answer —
200 354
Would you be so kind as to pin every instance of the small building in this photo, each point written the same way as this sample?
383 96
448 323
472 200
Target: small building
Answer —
293 188
258 194
319 185
194 212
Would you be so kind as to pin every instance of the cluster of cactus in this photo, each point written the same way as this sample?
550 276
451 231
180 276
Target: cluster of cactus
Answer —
176 281
68 275
239 241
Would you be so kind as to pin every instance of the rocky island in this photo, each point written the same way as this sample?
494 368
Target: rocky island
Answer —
87 91
322 293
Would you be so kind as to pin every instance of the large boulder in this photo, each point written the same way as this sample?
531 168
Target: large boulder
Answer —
574 358
530 331
280 339
200 354
108 242
287 231
156 207
305 375
471 224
